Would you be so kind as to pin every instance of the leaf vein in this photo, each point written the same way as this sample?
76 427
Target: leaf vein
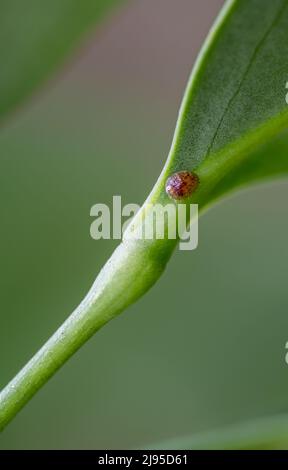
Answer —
246 73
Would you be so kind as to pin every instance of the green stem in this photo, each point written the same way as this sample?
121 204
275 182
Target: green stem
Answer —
132 269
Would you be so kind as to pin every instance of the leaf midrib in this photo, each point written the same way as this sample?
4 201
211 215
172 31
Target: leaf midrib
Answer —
246 73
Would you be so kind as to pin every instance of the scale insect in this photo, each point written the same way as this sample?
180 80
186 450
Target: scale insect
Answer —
181 185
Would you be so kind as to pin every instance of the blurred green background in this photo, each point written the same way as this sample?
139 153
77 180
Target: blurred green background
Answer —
206 347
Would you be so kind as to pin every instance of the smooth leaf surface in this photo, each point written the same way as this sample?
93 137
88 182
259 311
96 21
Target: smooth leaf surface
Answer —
235 102
35 37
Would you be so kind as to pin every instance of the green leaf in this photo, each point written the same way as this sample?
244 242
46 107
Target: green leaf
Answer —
235 102
35 37
263 433
231 131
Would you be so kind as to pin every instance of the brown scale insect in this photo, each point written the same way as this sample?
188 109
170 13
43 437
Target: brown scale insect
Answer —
182 184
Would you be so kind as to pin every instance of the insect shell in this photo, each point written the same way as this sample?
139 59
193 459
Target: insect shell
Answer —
181 185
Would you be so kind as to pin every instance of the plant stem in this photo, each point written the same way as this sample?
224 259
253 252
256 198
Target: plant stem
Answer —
132 269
